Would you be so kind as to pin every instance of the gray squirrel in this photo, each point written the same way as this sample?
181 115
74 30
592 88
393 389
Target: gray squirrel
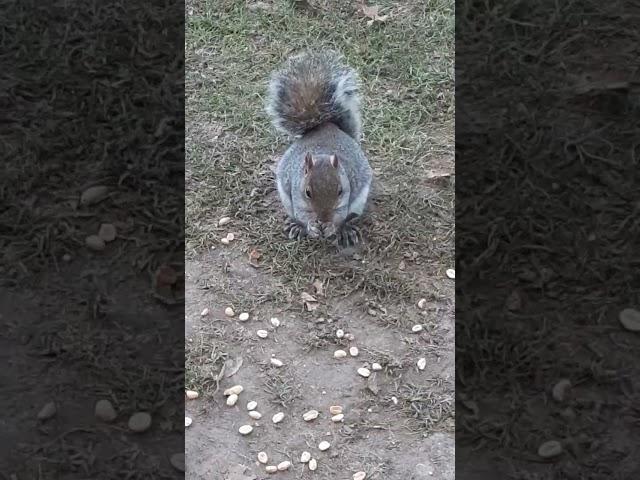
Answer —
324 177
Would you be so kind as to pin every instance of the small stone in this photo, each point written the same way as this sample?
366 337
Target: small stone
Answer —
630 319
243 317
104 411
232 399
256 415
549 449
263 457
282 466
191 394
107 232
335 410
324 445
94 242
230 237
310 415
560 389
66 257
276 363
359 476
313 464
224 241
349 336
140 422
337 418
305 457
353 351
223 221
229 312
417 328
364 372
278 417
204 312
48 411
451 273
245 429
262 333
422 363
339 354
394 400
376 367
94 195
271 469
177 461
275 322
252 405
339 333
188 421
235 390
422 303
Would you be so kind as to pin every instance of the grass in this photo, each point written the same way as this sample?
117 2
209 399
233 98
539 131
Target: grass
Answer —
406 65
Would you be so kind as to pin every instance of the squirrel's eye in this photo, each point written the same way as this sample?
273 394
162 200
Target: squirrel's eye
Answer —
307 192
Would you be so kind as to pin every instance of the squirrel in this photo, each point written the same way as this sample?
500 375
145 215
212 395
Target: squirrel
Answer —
324 177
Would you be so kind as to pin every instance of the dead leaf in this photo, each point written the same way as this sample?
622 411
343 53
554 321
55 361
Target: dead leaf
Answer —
237 472
231 366
254 256
402 265
318 285
370 11
437 174
307 297
372 384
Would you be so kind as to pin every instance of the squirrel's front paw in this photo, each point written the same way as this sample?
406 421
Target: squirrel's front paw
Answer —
349 235
294 230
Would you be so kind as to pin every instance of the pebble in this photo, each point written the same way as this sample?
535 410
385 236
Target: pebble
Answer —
394 400
256 415
278 417
263 457
229 312
451 273
422 363
310 415
104 411
275 322
276 363
422 303
262 333
187 421
335 410
66 257
232 399
230 237
94 195
630 319
177 461
245 429
235 390
549 449
140 422
107 232
282 466
252 405
224 241
339 354
338 418
560 389
223 221
271 469
339 333
191 394
204 312
350 337
353 351
376 367
94 242
364 372
48 411
324 445
313 464
416 328
305 457
359 476
243 317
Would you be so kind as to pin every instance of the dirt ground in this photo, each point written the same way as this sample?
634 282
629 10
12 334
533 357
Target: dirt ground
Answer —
399 423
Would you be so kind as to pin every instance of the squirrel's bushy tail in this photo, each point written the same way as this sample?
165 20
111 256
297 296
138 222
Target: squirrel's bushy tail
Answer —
313 88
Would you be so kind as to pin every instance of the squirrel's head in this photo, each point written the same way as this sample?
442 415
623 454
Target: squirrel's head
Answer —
322 186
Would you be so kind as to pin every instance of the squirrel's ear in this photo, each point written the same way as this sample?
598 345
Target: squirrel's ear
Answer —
308 163
334 161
